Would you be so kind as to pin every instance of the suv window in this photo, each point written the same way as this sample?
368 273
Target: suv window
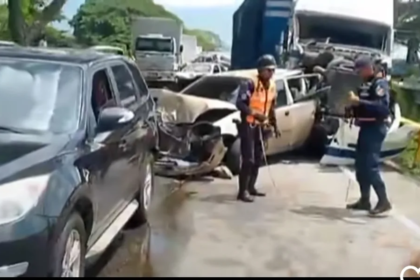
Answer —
102 95
281 94
125 85
138 79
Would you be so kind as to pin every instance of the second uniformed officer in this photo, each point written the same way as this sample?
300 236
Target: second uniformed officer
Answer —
371 110
256 102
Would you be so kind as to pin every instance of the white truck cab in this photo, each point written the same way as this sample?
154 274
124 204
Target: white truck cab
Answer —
352 27
157 55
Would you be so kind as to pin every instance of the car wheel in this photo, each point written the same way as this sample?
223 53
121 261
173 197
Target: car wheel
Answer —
316 144
145 195
233 157
70 249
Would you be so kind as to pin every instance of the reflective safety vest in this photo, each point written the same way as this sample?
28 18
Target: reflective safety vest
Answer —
261 99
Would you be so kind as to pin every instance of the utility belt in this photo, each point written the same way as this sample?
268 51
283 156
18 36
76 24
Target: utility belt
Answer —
361 121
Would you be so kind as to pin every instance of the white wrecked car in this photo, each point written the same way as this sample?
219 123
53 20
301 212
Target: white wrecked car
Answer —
213 97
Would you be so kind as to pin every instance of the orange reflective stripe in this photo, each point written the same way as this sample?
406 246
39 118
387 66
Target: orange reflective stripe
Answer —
261 99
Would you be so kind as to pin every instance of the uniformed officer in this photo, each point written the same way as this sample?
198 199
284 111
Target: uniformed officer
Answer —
256 102
371 110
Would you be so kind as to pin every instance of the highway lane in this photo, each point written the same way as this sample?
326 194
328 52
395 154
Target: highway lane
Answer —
300 229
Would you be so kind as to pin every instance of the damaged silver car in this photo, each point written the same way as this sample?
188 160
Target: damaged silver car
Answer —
186 148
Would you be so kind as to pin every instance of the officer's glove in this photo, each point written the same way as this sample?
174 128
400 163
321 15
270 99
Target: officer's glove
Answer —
260 117
353 98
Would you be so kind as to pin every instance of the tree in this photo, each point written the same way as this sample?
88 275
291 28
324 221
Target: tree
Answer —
109 21
28 19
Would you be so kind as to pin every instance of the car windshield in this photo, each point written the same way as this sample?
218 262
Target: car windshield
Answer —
200 68
39 97
215 87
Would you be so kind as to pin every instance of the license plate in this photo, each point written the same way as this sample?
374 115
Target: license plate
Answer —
152 74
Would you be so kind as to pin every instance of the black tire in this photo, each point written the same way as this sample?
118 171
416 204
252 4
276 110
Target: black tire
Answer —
74 222
140 216
315 145
233 157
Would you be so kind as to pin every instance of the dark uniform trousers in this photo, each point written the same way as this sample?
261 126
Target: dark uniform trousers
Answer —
368 150
372 134
252 155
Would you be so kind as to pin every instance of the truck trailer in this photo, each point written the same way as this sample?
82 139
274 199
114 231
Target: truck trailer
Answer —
259 27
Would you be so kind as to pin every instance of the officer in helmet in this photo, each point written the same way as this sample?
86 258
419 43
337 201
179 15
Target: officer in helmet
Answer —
371 111
256 102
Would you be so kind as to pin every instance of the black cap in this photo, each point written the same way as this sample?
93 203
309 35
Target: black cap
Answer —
362 62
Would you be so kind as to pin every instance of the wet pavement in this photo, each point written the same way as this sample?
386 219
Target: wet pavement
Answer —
300 229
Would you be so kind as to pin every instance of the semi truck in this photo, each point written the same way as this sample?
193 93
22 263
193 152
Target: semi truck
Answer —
284 28
157 49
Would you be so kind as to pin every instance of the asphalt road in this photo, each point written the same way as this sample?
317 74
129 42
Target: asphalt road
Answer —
300 229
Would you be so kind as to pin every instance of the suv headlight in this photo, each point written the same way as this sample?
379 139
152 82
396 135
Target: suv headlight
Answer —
17 198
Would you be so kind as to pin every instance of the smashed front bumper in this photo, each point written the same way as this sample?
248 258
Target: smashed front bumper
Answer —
174 167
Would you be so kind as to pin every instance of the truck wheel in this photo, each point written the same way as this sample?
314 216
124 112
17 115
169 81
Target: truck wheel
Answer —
233 157
70 249
145 194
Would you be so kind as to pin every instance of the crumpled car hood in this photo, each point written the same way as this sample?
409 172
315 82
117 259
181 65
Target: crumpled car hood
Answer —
186 108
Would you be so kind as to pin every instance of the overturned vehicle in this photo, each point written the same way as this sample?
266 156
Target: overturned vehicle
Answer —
302 101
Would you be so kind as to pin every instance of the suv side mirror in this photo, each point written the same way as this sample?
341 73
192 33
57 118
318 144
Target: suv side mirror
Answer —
112 118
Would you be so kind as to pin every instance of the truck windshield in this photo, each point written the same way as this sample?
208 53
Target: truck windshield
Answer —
154 44
343 31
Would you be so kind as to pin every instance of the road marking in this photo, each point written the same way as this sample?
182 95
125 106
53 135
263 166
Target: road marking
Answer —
394 213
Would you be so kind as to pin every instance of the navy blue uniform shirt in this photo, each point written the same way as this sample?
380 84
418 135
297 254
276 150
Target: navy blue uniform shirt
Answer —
242 103
374 102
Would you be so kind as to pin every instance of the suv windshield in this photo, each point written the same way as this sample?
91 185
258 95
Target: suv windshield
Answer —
39 96
215 87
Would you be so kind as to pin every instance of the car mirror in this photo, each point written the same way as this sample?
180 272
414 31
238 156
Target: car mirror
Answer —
113 118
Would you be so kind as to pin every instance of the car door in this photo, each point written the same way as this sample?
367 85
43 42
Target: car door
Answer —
130 153
285 121
302 112
101 162
145 131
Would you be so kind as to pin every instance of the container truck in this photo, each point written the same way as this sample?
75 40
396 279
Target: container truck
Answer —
189 45
259 27
158 49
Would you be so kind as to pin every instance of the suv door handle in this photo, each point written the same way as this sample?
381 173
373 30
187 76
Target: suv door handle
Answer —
286 113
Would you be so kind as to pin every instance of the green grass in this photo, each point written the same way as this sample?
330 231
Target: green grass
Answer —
410 110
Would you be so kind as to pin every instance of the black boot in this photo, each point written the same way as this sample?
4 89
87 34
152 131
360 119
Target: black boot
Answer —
251 184
381 207
361 204
243 196
254 192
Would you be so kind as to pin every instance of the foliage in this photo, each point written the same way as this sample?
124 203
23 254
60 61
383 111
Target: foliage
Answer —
108 21
410 110
407 15
207 39
28 19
